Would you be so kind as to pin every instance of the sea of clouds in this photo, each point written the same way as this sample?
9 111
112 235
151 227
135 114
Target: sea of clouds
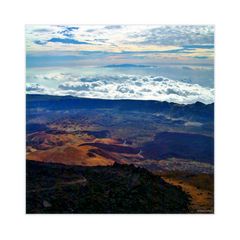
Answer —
120 87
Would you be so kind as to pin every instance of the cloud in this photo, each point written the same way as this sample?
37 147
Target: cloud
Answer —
153 49
80 86
127 87
196 46
113 27
35 88
66 40
179 35
71 28
42 30
68 31
60 40
39 42
91 30
152 43
201 57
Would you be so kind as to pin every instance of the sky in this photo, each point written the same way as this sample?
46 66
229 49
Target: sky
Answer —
173 63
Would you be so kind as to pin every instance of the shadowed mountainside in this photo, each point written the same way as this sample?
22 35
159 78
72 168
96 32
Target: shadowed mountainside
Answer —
180 145
54 188
197 111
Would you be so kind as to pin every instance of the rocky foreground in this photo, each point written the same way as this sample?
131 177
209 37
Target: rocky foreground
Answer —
55 188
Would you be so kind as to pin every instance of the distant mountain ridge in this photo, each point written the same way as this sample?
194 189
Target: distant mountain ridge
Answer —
197 111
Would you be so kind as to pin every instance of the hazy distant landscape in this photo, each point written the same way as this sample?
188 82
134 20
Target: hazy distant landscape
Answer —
120 131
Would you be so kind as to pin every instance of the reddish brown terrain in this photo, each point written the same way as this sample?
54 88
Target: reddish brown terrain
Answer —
84 150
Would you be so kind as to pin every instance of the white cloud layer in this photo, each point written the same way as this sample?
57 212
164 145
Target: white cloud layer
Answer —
123 87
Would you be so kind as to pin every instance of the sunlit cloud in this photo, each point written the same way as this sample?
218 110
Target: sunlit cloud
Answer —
126 87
